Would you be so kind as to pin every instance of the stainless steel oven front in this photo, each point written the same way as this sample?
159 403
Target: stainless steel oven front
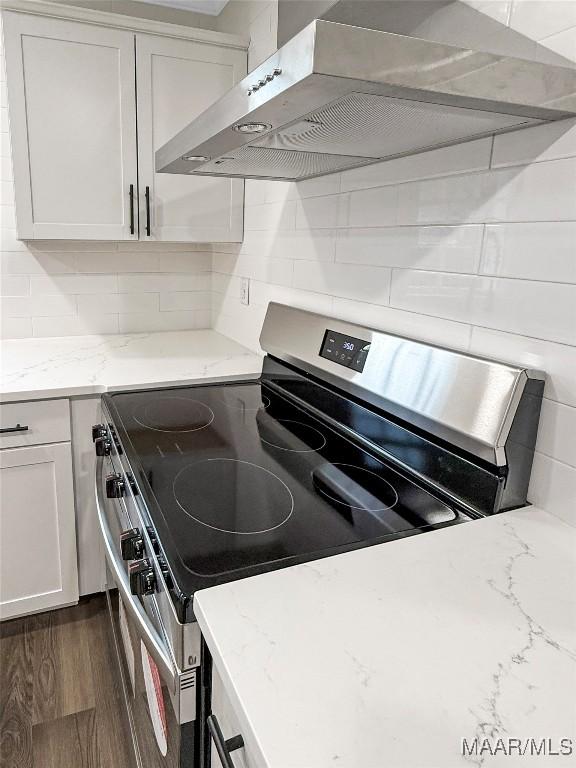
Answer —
159 658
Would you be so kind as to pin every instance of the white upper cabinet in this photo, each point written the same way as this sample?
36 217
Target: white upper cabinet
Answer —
88 107
72 113
176 81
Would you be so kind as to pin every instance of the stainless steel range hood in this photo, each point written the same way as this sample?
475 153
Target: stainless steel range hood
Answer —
397 78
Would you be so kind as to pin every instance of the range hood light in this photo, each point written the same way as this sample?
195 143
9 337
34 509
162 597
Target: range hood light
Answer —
195 158
251 127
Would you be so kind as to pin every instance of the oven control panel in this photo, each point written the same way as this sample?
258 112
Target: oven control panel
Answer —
345 350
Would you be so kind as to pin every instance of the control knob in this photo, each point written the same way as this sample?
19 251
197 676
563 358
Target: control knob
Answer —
142 578
115 486
103 446
98 430
131 544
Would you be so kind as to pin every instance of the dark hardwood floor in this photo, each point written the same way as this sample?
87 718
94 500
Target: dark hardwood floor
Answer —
60 694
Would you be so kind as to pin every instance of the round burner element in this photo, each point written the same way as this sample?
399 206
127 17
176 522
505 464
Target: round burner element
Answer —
312 438
174 414
355 487
233 496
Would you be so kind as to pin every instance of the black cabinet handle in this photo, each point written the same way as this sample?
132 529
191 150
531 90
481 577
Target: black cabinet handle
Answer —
223 746
147 197
132 209
17 428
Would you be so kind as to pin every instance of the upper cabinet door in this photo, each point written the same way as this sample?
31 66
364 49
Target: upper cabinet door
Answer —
176 81
72 108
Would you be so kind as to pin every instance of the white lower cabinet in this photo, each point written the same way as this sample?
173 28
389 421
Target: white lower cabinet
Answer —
38 567
229 725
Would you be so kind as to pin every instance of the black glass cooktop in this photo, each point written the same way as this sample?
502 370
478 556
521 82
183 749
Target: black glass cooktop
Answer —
239 479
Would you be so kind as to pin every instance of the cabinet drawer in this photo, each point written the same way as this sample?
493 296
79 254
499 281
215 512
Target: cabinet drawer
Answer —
39 421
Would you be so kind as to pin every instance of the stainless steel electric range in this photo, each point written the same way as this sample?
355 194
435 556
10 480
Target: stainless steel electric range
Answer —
350 437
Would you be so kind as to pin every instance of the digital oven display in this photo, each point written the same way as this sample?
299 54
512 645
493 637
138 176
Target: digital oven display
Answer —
345 350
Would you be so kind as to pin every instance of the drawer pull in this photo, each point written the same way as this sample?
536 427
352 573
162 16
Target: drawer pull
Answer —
223 746
17 428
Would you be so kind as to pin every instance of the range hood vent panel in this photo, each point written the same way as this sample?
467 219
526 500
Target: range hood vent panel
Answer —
338 96
378 127
253 162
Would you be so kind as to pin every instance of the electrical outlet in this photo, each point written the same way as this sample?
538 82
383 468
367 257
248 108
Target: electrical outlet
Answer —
245 291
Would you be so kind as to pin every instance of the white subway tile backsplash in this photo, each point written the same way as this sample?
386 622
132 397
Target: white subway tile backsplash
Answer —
461 158
192 262
281 191
14 285
160 247
73 284
537 192
270 216
114 261
323 185
541 310
411 324
116 303
370 284
67 325
4 145
164 321
557 360
447 200
550 141
274 271
497 9
75 246
447 249
553 487
16 327
563 43
227 286
173 301
541 251
557 432
6 172
38 306
306 244
317 212
143 283
540 18
9 242
370 208
36 263
254 192
7 214
6 193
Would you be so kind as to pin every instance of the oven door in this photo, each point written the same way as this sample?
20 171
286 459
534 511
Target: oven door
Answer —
151 680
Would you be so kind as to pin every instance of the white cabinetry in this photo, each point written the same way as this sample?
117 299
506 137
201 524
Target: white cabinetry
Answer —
176 81
38 568
221 707
88 107
73 127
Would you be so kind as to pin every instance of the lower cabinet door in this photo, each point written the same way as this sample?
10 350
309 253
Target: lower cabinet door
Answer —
228 728
38 568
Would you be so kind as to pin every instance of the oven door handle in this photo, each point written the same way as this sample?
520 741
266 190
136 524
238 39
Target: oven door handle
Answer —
156 648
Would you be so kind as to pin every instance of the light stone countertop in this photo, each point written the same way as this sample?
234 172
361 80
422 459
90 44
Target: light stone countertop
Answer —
86 365
387 657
